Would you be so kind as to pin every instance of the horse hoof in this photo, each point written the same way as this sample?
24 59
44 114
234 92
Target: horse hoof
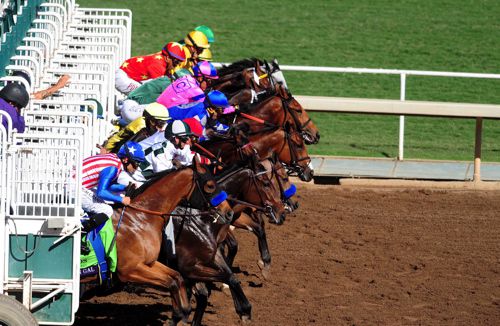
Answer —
264 269
226 290
245 320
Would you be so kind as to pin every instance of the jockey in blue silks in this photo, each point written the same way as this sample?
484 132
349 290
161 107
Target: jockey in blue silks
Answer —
214 105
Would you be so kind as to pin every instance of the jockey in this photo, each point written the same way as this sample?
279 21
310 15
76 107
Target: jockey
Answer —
173 152
14 97
134 71
99 174
216 106
152 120
133 106
188 89
207 112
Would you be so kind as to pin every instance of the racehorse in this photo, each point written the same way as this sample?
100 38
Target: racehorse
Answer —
140 227
239 75
246 82
208 264
254 194
284 142
278 106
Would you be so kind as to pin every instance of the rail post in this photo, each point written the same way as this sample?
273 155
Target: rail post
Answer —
477 150
402 97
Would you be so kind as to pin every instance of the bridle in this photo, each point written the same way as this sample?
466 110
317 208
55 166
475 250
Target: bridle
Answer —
195 186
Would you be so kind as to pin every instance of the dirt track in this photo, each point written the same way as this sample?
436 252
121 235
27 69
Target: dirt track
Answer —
356 256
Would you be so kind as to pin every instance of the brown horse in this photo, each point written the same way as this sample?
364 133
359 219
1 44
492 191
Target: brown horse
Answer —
140 226
252 81
284 142
277 106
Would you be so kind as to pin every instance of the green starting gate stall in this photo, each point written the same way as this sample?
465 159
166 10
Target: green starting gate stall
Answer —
40 169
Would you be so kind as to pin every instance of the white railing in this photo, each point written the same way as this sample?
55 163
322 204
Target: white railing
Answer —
403 74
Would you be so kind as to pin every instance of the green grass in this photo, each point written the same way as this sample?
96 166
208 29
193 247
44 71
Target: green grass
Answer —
439 35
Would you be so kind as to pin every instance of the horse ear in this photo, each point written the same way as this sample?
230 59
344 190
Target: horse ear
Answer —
197 164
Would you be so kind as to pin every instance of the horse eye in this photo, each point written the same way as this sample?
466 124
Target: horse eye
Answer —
209 187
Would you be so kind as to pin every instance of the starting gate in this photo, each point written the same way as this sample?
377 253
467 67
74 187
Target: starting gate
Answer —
40 169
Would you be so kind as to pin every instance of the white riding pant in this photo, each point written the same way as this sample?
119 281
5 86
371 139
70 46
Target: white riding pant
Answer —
123 83
131 110
92 204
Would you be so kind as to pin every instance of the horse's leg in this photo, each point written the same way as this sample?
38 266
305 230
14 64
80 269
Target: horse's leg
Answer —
160 275
232 247
201 294
219 271
255 223
241 304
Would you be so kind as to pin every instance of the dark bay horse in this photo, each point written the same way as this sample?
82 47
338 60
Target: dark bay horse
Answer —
209 265
141 224
254 195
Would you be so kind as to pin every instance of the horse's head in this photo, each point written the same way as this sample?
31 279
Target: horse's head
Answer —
295 155
303 123
207 195
270 192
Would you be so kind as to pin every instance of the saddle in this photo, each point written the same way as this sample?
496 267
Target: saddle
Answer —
98 250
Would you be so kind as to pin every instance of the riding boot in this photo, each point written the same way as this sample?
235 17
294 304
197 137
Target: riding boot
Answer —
94 221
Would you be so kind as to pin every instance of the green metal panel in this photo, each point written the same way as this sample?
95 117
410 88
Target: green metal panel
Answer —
15 32
43 258
56 310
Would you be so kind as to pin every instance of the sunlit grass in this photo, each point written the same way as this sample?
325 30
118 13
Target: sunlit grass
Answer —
443 35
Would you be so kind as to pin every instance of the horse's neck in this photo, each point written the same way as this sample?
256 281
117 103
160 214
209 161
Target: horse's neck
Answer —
196 230
268 143
167 191
236 183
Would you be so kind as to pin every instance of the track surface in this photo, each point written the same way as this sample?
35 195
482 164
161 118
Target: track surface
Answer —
355 256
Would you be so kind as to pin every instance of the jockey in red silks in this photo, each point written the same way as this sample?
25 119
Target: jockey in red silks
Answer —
136 70
189 89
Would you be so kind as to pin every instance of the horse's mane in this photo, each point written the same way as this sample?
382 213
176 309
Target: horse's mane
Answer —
155 177
261 98
238 66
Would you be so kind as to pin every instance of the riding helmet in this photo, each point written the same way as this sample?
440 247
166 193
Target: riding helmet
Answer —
197 39
205 55
207 31
157 111
16 94
205 69
174 50
177 128
133 151
195 126
217 99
